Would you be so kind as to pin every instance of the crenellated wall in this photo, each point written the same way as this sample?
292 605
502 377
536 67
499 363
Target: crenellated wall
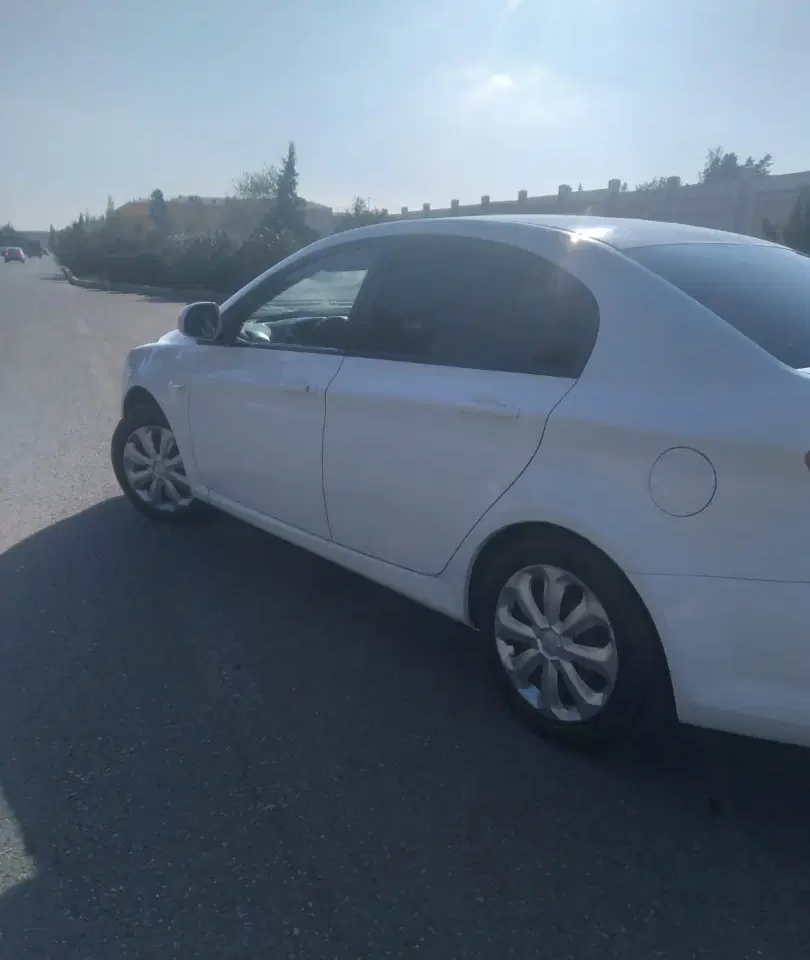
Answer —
740 206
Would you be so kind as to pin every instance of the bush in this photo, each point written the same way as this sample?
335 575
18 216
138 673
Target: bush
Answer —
212 262
113 249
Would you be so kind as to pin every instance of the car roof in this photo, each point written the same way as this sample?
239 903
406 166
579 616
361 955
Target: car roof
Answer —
614 231
619 233
625 233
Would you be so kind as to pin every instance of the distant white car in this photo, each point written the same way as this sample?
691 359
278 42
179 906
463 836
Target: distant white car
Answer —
14 254
587 438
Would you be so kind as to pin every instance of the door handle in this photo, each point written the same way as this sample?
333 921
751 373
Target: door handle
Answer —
489 408
298 386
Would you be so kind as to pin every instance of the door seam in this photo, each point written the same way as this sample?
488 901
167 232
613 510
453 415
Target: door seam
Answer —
502 495
323 445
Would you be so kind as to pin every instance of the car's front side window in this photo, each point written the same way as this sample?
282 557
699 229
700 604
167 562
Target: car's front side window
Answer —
309 306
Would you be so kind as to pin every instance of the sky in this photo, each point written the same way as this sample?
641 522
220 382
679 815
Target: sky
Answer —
401 102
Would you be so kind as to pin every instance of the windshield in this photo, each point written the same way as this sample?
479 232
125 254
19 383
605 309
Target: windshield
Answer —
761 290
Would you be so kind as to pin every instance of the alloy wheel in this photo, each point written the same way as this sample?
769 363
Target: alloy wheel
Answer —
556 644
154 469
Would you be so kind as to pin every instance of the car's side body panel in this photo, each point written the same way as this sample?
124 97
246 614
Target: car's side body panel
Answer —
257 419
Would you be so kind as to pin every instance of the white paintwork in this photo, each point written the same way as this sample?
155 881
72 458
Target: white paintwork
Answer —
256 419
738 652
397 434
413 482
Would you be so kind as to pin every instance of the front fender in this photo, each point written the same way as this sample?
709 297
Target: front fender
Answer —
163 370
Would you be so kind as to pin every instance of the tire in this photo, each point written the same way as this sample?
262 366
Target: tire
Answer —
129 438
628 691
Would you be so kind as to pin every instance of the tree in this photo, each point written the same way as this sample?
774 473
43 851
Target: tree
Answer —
110 212
259 185
284 227
360 214
659 183
159 212
289 207
796 233
722 167
240 218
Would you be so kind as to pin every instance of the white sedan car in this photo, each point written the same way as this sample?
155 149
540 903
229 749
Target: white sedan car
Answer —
587 438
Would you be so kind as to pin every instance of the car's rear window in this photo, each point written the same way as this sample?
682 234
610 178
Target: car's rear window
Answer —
762 291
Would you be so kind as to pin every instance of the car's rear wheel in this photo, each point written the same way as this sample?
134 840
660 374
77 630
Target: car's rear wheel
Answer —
572 646
149 467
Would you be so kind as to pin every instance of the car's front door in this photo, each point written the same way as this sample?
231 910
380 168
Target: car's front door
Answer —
464 349
257 405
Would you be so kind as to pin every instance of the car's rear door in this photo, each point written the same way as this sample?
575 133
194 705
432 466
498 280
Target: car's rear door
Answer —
463 351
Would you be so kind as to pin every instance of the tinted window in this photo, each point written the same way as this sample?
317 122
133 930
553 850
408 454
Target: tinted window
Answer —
483 305
764 292
308 307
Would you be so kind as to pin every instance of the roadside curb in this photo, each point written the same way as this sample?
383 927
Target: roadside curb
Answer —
142 289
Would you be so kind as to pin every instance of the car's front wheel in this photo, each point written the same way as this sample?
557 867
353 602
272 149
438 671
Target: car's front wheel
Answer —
149 467
571 643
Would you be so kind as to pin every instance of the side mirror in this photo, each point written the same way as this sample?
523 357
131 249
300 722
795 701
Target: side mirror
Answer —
200 321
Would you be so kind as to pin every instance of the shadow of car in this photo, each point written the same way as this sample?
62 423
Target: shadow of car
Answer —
216 744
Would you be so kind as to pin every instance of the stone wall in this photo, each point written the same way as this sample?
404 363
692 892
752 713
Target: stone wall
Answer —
740 206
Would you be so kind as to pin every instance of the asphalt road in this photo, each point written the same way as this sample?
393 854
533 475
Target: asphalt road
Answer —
215 745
